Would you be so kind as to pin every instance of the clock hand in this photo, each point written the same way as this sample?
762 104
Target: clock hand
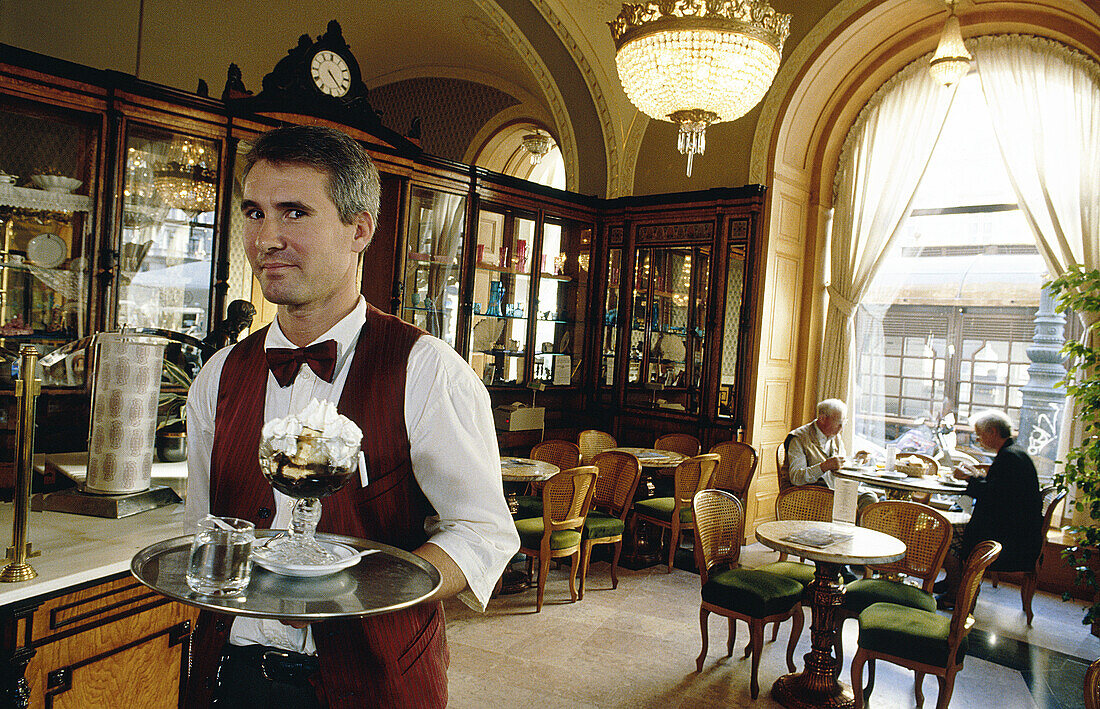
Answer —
333 76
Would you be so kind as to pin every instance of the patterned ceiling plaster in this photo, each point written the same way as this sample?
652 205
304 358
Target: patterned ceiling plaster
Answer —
612 151
566 138
451 111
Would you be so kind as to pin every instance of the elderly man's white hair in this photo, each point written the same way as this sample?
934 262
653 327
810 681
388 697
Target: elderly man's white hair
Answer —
995 421
832 408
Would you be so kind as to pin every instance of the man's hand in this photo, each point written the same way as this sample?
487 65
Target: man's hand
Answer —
830 464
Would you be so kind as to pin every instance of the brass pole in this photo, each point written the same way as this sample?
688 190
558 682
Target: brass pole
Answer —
27 388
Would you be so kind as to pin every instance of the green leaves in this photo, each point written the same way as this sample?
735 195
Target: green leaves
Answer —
1079 289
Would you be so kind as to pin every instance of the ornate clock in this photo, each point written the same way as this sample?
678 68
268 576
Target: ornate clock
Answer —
316 78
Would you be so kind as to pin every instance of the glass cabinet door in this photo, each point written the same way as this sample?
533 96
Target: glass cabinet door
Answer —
731 331
561 298
609 331
48 165
501 296
667 327
166 249
433 262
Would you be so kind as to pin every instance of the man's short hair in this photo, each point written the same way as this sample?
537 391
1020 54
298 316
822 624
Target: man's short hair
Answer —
353 182
995 421
832 408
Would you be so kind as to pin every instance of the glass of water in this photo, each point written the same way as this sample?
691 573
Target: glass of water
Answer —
221 556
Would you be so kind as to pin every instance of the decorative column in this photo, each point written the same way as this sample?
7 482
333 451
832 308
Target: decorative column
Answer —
1043 404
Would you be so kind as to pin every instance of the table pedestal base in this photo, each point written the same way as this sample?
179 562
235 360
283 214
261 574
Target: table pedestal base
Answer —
817 685
802 691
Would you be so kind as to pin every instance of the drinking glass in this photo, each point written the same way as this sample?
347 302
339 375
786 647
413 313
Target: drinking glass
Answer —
221 556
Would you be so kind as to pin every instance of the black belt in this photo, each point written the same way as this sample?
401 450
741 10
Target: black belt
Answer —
275 664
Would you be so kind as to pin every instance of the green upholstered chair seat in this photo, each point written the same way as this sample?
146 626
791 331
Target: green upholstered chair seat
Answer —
600 525
802 573
915 635
861 593
528 506
755 593
530 535
661 508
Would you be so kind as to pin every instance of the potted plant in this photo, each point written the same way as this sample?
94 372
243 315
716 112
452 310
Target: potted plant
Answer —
1079 289
171 441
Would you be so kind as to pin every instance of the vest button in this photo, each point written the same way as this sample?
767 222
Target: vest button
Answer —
264 513
220 626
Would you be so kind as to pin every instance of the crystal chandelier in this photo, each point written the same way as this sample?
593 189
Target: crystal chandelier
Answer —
538 145
698 62
184 181
951 60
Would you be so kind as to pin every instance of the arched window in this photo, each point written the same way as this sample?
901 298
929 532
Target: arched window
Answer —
954 317
506 153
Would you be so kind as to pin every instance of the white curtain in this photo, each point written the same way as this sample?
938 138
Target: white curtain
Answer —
881 164
1045 102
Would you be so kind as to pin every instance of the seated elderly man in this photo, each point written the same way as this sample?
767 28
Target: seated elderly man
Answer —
1007 505
815 450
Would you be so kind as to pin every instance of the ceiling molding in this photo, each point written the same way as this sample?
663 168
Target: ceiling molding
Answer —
612 150
564 128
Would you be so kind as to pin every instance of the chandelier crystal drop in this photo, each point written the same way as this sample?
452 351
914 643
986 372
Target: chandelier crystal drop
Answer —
698 62
537 145
184 180
951 61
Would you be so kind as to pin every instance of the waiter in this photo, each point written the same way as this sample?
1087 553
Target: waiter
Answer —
432 481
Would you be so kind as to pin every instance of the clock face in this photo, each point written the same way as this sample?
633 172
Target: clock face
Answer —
331 73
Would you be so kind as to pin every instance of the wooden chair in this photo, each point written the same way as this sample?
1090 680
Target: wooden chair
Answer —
682 443
1092 686
565 501
736 469
565 455
616 483
809 502
1028 580
923 641
674 513
929 466
755 597
927 537
782 471
592 442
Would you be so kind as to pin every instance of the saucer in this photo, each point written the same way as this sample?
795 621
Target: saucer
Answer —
346 558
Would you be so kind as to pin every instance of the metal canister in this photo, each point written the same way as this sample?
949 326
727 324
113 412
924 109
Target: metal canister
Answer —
123 421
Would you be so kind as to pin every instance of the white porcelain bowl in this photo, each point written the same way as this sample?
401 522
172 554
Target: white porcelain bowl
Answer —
55 183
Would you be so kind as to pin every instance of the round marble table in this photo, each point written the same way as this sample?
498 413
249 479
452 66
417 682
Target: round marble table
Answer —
829 546
901 483
524 470
654 457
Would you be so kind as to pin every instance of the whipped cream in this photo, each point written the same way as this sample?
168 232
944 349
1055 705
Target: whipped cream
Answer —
316 434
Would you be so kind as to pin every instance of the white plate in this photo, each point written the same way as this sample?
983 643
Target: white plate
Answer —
47 250
891 475
347 556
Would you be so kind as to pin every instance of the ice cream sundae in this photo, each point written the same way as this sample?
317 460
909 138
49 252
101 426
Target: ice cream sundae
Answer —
312 453
307 455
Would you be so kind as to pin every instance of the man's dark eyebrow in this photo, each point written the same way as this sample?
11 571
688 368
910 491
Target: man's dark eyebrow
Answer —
247 204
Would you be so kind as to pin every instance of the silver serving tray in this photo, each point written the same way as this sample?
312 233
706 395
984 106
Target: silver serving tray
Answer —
380 583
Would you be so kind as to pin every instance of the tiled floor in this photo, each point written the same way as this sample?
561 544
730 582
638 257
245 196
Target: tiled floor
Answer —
636 647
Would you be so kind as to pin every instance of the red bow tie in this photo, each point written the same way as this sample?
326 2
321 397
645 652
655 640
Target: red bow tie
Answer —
284 363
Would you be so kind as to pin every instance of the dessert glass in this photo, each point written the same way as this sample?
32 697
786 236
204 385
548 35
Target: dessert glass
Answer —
308 475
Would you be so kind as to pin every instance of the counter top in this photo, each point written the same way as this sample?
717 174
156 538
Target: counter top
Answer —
77 548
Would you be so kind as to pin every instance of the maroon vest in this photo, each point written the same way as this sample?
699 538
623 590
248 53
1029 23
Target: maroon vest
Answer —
395 660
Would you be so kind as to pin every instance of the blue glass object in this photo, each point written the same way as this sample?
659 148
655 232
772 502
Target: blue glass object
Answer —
496 295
